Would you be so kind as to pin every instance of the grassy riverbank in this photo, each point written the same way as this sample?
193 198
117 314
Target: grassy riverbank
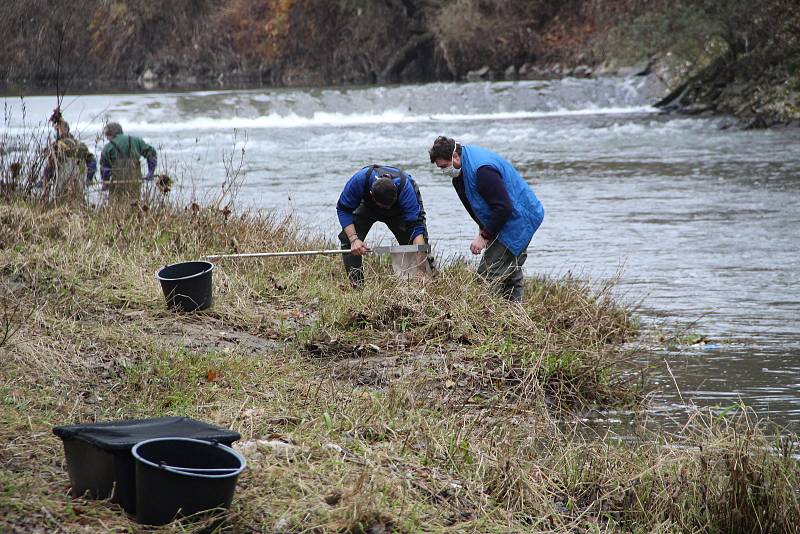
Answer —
391 408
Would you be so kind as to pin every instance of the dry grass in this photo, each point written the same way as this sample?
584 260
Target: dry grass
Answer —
438 408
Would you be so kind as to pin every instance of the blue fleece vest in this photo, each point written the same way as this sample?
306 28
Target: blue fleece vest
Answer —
527 213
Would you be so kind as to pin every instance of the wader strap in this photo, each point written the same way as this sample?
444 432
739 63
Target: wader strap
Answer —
368 173
119 150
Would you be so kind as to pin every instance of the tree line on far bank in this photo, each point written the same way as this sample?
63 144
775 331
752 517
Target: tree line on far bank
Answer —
99 44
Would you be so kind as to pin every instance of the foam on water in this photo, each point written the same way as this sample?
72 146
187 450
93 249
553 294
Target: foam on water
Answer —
322 118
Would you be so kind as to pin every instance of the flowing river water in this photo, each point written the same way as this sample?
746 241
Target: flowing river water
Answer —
702 220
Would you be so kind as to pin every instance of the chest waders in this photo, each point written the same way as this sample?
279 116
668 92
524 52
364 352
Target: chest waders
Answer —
68 171
126 174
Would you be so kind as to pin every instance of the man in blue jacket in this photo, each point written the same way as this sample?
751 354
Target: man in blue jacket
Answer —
500 201
379 194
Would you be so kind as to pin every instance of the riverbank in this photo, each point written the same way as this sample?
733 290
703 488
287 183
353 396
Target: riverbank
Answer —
384 409
741 59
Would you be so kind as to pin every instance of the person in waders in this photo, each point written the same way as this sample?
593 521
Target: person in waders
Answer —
70 166
378 193
119 164
502 204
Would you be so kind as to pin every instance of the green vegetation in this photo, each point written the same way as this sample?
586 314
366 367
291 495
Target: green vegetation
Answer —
374 410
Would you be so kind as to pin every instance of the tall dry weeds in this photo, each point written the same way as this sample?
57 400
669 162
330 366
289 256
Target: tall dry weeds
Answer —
437 409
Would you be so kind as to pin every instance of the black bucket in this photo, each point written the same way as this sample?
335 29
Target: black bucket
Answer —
99 460
187 285
177 477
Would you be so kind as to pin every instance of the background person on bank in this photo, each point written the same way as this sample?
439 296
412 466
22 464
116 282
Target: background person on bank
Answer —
70 165
119 161
501 202
379 194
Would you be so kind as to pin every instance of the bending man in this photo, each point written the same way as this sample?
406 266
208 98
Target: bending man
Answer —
120 161
377 193
501 202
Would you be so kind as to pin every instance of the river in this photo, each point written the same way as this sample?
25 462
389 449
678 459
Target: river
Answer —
701 220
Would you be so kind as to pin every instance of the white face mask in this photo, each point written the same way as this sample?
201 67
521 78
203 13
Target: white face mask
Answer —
451 171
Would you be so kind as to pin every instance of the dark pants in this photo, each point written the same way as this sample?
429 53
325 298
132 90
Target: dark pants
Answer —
364 217
503 270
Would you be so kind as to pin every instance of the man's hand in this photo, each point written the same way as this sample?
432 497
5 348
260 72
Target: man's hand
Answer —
478 244
358 248
422 257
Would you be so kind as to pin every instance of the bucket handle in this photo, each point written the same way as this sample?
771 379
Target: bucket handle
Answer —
197 469
218 470
201 472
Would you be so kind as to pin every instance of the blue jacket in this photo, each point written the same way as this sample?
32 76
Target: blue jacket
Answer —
357 188
528 212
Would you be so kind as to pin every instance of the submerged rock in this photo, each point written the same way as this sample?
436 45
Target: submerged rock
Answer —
510 73
641 68
148 80
482 73
582 71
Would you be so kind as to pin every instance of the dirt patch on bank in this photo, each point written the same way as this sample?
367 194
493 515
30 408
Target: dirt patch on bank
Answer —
213 336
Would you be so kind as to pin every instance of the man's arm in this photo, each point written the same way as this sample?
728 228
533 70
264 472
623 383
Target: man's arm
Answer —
411 213
458 185
149 153
349 200
351 197
491 187
357 247
105 162
91 163
91 168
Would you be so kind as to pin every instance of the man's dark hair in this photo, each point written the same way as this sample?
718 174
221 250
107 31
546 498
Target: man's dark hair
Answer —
112 129
443 148
383 191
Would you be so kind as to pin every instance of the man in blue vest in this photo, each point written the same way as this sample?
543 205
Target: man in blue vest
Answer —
379 194
500 201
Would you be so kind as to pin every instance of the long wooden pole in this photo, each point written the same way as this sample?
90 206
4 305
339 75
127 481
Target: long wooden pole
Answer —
276 254
397 249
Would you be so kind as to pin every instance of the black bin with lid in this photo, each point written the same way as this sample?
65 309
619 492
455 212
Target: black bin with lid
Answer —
99 459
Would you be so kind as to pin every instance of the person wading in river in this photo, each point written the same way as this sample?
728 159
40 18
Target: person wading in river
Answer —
119 164
70 165
497 198
380 193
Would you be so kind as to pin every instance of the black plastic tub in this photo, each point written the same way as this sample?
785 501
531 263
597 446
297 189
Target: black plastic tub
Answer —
178 477
187 285
99 460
